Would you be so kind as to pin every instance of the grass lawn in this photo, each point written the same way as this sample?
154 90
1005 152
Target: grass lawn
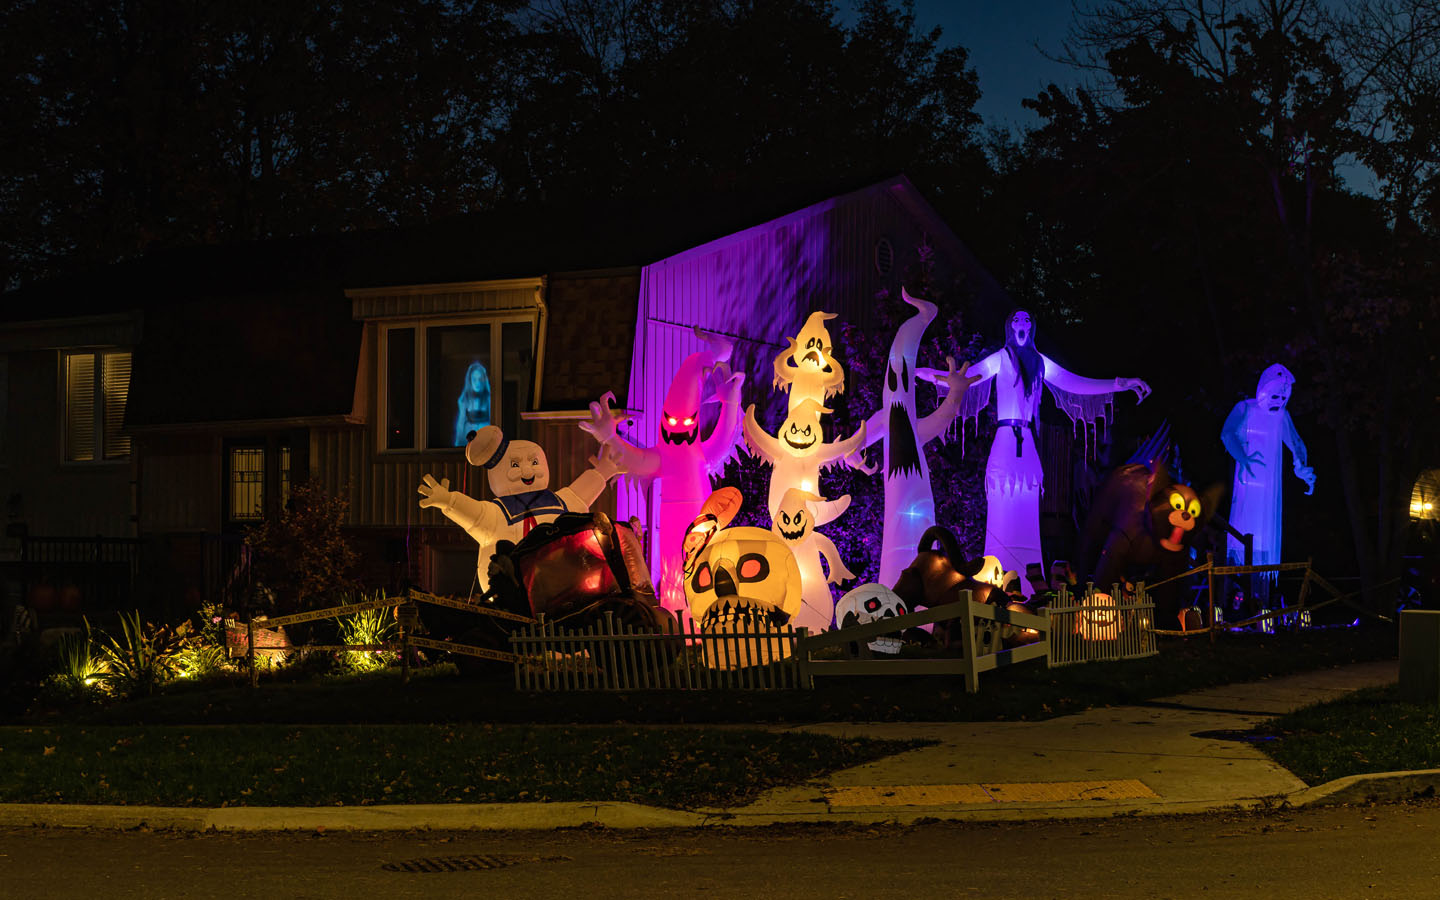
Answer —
1372 730
330 765
1027 691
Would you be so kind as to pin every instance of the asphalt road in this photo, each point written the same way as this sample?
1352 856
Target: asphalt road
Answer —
1348 852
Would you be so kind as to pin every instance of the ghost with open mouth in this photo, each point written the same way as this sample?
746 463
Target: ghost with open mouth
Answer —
808 369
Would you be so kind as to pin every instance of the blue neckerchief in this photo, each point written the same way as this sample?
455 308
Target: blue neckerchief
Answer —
530 503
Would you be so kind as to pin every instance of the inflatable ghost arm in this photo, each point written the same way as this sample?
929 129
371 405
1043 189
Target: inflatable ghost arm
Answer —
846 449
831 555
785 373
1297 449
757 441
957 384
1232 435
636 462
1061 378
829 510
977 375
587 487
481 519
721 442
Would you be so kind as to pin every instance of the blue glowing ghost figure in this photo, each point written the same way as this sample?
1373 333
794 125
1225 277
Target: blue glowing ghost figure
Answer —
909 503
1253 433
474 403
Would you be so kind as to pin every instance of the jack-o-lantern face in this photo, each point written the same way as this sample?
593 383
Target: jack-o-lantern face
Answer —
1175 515
743 577
679 428
991 572
800 437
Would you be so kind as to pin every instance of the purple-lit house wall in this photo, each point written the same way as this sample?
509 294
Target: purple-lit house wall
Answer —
758 285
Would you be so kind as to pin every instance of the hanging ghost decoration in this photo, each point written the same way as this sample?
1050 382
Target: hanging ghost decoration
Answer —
682 461
808 369
519 478
1254 433
794 524
868 604
797 454
909 503
740 581
1013 473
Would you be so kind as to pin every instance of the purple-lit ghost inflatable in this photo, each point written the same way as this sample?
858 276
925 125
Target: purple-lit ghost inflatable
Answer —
1013 474
519 477
909 503
1253 433
682 461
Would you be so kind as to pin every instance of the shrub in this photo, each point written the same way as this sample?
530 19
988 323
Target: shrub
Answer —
302 555
368 626
143 657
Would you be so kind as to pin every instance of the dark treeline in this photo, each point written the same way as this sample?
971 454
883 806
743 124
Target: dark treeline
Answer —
1181 215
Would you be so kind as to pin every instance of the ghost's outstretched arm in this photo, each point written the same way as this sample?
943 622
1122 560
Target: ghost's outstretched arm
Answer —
588 486
1297 448
481 519
829 510
833 563
829 453
1061 378
637 462
784 372
958 382
757 441
720 445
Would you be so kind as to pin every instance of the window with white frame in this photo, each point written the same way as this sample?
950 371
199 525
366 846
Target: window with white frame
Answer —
446 378
97 387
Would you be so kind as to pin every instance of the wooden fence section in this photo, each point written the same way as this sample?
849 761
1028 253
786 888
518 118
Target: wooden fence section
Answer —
609 655
1100 627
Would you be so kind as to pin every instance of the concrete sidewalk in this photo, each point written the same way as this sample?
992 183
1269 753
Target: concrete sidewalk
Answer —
1172 755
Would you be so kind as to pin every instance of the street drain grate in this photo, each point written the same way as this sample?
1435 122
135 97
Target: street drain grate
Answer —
472 863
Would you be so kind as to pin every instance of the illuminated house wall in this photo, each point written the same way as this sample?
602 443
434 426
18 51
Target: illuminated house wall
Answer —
759 285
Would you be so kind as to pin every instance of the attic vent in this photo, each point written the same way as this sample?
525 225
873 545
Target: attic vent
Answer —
884 256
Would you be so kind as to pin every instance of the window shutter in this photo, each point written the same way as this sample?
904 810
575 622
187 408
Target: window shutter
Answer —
117 392
80 407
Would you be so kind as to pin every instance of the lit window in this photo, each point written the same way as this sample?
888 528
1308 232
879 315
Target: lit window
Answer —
446 379
247 483
97 387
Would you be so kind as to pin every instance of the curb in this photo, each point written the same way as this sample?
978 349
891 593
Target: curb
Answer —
1375 787
1379 787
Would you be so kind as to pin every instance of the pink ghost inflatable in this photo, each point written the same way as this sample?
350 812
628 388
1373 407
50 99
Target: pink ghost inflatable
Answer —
681 460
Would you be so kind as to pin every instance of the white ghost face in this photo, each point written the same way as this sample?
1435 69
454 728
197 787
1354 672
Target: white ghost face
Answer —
1021 327
523 468
1273 395
801 434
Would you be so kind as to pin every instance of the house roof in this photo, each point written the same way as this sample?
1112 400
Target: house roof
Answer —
263 330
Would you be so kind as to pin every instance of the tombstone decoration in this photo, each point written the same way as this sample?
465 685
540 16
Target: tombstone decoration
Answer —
519 477
867 604
909 502
795 525
682 461
1013 473
1253 433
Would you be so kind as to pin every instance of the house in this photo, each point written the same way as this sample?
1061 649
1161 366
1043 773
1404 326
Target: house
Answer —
165 404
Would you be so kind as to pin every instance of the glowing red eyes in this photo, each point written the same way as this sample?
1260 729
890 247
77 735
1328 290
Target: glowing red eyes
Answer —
688 421
750 568
670 419
702 577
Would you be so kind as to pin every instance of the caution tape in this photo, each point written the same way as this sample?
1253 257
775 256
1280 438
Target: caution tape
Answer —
464 649
333 612
485 609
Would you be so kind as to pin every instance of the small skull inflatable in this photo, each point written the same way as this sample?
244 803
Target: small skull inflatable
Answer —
871 603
